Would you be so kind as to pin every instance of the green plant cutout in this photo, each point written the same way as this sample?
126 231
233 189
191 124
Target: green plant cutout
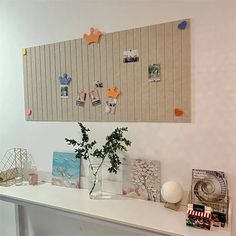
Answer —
86 150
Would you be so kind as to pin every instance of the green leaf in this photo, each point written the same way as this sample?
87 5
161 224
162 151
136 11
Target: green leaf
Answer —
114 142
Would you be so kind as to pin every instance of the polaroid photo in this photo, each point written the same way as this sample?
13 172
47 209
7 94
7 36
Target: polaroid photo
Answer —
130 56
64 91
110 107
94 97
154 72
80 101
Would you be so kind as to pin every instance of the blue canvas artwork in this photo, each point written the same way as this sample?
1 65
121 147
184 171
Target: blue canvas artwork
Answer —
65 169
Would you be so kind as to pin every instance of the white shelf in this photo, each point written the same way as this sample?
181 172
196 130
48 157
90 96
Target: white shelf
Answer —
134 213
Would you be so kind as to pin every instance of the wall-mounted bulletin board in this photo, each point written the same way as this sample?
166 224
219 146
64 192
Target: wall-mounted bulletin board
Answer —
150 67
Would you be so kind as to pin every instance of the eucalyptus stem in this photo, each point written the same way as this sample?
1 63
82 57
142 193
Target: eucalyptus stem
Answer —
95 174
94 184
114 142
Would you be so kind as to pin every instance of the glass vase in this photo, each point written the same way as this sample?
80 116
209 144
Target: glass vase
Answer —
95 181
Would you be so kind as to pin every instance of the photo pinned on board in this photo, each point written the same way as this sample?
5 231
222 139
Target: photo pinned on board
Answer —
154 72
110 107
130 56
98 84
80 101
64 91
94 97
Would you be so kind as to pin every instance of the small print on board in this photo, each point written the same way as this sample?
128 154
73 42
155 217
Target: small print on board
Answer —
64 91
65 169
142 179
80 101
110 107
154 72
130 56
94 97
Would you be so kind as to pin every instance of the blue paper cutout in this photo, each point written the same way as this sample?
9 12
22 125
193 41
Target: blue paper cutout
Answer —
64 79
182 25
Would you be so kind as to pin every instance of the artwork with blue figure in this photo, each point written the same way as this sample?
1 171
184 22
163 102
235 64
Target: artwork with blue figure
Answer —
64 79
65 169
182 25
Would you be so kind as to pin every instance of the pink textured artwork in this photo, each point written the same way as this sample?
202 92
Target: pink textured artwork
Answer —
142 179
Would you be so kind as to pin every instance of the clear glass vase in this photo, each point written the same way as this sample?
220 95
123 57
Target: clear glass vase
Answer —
95 181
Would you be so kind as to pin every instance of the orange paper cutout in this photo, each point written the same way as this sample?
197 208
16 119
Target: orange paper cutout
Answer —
93 37
178 112
113 92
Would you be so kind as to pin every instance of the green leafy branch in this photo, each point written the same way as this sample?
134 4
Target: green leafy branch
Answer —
114 142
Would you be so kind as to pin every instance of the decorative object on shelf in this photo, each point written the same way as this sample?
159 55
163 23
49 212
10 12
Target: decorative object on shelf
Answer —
110 107
210 188
33 179
98 84
28 111
86 150
113 92
93 37
172 193
130 56
65 169
178 112
182 25
24 51
142 179
18 181
199 216
17 162
218 219
154 73
94 97
80 101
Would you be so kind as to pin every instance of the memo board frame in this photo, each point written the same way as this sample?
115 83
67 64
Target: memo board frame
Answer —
140 100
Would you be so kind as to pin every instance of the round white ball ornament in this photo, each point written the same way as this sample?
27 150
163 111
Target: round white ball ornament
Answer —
172 192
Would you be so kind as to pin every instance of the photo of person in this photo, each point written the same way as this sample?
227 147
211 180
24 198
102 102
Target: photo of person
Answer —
80 101
130 56
154 72
64 91
94 97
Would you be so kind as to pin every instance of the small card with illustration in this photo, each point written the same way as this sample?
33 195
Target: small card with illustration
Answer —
94 97
80 101
110 107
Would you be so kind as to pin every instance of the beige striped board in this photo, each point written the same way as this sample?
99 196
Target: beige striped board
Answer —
140 100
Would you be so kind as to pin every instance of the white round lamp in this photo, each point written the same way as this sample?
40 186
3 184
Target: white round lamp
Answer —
172 193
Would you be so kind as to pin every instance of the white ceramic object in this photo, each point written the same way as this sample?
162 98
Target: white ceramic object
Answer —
172 192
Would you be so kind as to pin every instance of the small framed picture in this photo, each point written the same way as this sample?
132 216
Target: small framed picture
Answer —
80 101
110 107
154 72
94 97
130 56
64 91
